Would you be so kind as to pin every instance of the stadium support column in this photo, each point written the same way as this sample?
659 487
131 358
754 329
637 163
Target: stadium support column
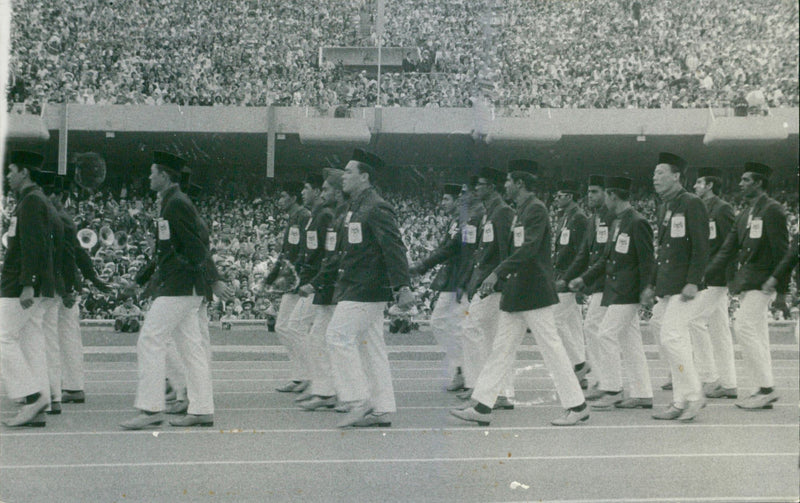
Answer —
63 138
271 141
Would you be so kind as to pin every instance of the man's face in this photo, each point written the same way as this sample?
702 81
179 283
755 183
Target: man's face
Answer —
448 203
309 195
483 189
353 178
664 179
610 200
701 188
562 199
15 177
285 201
328 194
748 185
158 179
511 188
595 196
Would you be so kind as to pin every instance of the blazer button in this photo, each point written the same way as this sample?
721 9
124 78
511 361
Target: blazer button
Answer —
666 261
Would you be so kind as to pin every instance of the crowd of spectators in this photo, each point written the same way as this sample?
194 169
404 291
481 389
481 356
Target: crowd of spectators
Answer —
518 54
245 236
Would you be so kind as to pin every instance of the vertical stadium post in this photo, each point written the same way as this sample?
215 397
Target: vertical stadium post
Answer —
271 141
63 139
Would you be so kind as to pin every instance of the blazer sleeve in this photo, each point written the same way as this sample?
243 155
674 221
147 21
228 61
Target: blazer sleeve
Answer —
387 235
502 231
724 221
726 253
697 228
535 225
788 263
446 250
778 235
645 252
581 260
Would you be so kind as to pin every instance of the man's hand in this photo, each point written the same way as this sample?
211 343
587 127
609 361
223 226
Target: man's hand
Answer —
102 285
405 299
222 290
577 284
415 268
689 292
769 286
561 286
26 297
305 290
648 298
487 287
69 300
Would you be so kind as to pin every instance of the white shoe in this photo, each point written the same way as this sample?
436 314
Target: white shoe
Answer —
358 411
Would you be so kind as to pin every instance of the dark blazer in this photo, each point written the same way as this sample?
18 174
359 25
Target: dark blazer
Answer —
682 244
528 270
183 262
720 221
293 238
69 268
373 260
494 233
591 250
29 259
569 234
324 282
628 260
313 243
789 262
453 252
758 253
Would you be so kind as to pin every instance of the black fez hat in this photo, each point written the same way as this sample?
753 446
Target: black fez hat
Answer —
170 162
597 180
368 158
46 180
673 160
703 172
569 186
453 189
757 167
294 189
25 159
492 175
524 165
618 182
315 180
333 176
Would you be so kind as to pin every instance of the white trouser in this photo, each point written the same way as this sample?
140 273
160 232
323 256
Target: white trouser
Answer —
670 322
570 327
510 331
319 356
591 326
23 356
752 333
175 369
299 326
178 317
359 358
69 331
53 345
712 342
620 330
447 320
480 328
289 337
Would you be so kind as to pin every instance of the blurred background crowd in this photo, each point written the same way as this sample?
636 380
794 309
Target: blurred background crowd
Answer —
245 235
518 54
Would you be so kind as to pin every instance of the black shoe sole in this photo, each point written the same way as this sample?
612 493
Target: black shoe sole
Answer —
636 407
768 406
503 407
79 400
374 425
53 412
202 425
